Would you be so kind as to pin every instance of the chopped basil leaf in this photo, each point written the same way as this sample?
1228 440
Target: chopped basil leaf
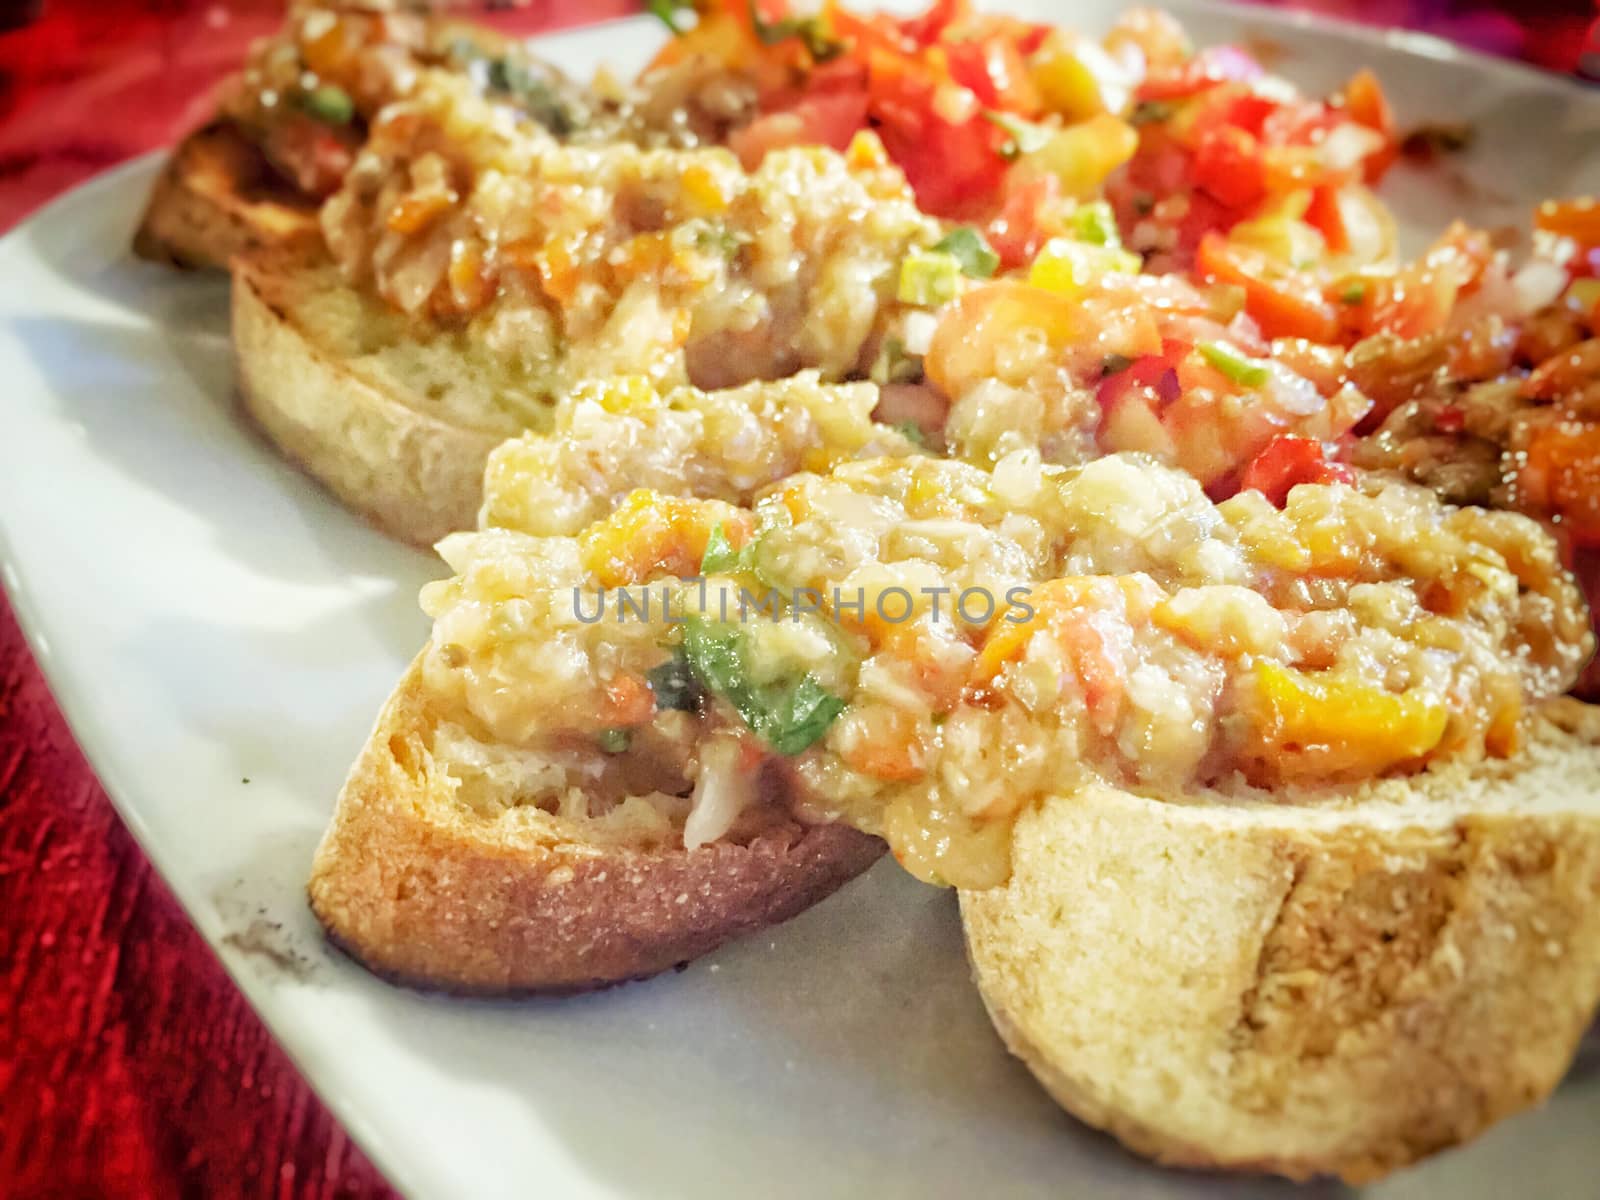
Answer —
1115 364
968 247
1354 293
615 741
788 715
667 12
720 556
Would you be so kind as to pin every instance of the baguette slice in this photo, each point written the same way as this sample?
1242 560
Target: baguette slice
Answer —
399 428
429 890
217 198
1306 990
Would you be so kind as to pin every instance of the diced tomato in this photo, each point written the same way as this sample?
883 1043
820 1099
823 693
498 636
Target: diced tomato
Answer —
825 119
1029 203
954 169
1284 303
931 26
995 72
1288 461
1228 164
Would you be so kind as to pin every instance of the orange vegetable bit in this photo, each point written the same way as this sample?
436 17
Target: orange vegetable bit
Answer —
650 534
1312 725
628 701
886 743
1559 475
1578 219
1075 612
1285 303
979 327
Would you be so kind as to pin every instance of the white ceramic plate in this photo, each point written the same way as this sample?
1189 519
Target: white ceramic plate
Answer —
220 635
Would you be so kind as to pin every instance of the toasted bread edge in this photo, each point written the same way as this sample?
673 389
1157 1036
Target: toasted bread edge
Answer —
424 892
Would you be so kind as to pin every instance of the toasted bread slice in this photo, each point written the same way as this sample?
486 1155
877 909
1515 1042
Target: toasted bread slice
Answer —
1306 989
217 198
397 425
434 881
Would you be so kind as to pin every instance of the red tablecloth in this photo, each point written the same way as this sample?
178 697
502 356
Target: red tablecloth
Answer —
129 1065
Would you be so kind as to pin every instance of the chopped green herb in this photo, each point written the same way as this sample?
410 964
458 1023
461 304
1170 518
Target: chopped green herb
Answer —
1149 112
812 31
1023 137
720 556
968 247
464 50
912 432
1097 224
615 741
788 715
894 365
1235 364
330 104
667 12
928 278
1115 364
1354 293
718 239
674 685
533 93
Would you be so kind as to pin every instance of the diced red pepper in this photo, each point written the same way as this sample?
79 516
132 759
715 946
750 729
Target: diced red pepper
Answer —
1288 461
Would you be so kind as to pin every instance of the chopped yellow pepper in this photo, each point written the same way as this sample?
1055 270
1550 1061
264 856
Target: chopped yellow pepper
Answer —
1321 726
654 534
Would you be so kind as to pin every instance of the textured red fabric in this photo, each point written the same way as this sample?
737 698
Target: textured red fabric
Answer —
129 1064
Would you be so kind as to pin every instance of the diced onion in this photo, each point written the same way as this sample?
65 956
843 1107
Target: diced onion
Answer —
1538 284
720 793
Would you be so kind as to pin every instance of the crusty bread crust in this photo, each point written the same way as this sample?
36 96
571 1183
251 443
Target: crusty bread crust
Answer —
423 889
217 198
1299 990
414 475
